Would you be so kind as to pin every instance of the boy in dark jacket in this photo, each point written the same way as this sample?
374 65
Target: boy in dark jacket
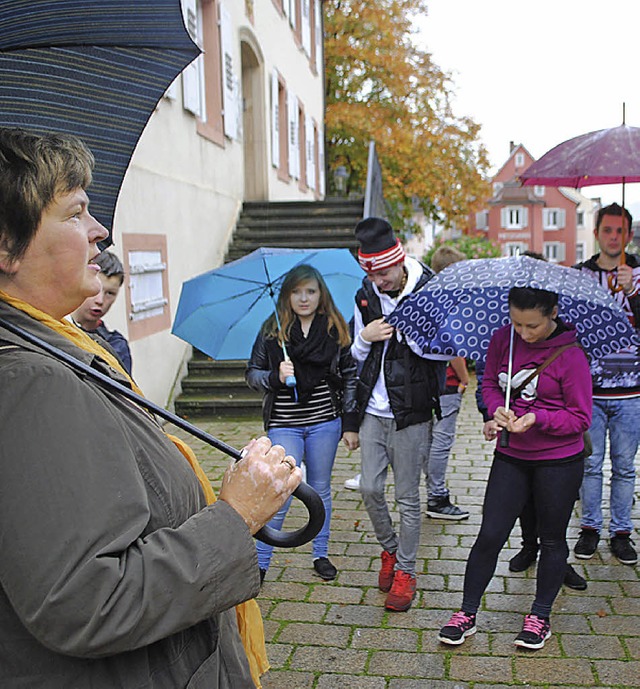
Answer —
398 392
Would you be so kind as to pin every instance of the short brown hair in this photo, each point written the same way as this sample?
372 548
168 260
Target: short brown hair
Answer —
444 256
34 169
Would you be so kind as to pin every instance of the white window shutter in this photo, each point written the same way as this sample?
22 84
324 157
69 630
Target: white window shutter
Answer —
230 95
481 220
562 219
545 218
306 25
275 114
193 74
504 217
318 36
525 217
286 7
561 251
294 150
292 12
320 181
309 153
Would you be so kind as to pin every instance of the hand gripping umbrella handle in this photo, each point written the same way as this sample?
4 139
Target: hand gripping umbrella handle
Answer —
303 492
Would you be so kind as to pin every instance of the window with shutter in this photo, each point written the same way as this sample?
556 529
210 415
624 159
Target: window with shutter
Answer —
305 20
230 82
294 153
275 120
147 284
553 218
554 251
318 36
513 217
310 153
193 74
482 220
321 182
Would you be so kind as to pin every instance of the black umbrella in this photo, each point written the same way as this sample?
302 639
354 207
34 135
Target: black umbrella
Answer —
95 69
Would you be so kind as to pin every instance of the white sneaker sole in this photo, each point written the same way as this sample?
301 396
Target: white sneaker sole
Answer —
533 647
450 517
453 642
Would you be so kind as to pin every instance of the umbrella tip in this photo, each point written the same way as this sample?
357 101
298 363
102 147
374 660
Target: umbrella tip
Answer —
624 115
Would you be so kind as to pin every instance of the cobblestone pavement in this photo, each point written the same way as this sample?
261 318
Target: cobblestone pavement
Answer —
337 635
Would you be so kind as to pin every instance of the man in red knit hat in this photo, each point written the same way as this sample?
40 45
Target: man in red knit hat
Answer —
398 392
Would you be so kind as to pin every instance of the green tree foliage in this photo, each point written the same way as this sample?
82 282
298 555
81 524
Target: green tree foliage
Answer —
381 87
471 247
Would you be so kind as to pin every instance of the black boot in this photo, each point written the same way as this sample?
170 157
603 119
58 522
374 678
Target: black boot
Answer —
524 559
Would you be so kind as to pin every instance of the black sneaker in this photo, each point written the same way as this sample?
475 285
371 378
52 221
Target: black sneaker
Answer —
587 544
535 631
443 508
325 569
573 580
458 628
621 547
524 559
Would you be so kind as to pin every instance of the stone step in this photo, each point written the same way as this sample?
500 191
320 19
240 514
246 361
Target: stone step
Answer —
202 406
218 386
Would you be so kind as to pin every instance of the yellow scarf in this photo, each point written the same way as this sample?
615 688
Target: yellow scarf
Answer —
247 613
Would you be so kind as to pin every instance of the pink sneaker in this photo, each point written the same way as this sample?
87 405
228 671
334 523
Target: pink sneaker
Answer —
535 631
458 628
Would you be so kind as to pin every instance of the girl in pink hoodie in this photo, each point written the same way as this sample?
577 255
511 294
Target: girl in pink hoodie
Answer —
545 421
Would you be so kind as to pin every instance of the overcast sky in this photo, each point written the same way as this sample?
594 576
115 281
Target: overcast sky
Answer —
540 73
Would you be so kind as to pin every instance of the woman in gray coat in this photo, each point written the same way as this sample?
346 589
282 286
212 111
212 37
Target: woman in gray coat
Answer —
114 573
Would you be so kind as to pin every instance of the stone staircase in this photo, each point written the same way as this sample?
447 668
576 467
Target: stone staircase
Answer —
217 388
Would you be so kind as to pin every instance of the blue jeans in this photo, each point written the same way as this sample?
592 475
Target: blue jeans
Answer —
316 445
621 419
437 447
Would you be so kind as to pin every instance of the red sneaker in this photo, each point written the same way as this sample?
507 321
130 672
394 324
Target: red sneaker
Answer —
402 592
387 571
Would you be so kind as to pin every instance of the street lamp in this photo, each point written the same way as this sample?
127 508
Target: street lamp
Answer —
340 176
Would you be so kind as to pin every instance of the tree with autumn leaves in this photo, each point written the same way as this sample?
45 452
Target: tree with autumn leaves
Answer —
380 86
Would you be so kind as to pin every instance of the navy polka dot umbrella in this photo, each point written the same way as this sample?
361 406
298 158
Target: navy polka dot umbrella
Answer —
92 68
460 308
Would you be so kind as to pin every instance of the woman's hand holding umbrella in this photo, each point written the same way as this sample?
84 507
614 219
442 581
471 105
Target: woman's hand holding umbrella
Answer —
506 418
259 484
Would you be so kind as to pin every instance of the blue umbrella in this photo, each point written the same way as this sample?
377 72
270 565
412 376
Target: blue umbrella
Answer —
93 69
221 311
460 308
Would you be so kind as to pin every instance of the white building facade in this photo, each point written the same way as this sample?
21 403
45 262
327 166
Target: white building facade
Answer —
244 122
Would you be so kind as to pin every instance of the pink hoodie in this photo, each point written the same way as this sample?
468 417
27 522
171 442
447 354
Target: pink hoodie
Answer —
560 396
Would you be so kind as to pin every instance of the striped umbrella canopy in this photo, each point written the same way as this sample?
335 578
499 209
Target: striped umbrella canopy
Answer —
92 68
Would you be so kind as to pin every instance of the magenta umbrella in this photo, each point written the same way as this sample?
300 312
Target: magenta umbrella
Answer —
606 156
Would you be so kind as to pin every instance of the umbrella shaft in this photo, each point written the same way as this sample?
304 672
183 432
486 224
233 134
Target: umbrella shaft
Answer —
111 384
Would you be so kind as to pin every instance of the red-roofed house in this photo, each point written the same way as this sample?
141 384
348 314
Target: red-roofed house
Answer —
555 222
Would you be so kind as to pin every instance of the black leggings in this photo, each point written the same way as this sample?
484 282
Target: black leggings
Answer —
553 489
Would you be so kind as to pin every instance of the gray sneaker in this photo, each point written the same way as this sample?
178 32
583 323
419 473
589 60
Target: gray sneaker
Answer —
443 508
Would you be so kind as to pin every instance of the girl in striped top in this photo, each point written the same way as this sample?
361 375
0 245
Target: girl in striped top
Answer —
307 419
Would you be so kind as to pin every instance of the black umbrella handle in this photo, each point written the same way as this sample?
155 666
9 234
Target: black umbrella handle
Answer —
313 502
504 438
303 492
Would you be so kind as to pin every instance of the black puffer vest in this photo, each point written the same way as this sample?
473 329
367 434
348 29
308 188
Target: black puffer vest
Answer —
414 384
